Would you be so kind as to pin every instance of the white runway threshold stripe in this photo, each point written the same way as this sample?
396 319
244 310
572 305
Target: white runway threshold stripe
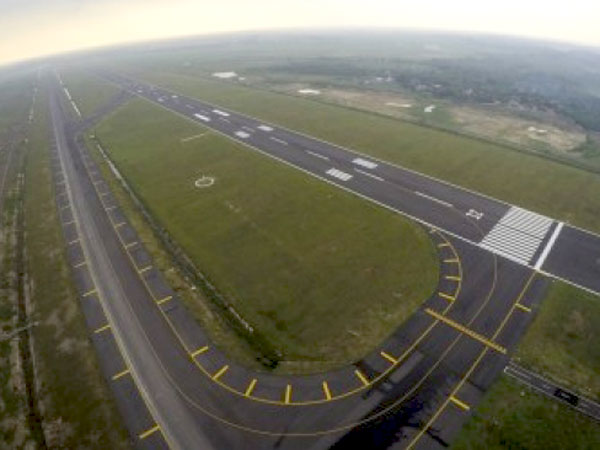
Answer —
365 163
549 245
339 174
518 235
221 113
265 128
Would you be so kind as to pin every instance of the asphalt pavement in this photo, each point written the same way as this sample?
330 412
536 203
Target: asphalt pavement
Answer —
413 391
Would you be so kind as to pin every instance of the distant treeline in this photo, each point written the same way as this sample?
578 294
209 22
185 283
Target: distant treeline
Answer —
562 83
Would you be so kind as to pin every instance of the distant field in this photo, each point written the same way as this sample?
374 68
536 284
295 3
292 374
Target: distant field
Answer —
551 188
513 417
324 274
562 342
89 93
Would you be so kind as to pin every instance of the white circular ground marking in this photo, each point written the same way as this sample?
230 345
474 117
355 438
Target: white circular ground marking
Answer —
204 182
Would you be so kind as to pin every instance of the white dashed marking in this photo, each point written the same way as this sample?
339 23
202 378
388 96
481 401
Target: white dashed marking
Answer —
281 141
264 128
221 113
242 134
317 155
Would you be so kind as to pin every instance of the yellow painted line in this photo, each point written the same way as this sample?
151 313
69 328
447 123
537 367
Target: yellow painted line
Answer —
145 269
147 433
326 390
389 357
444 244
288 394
220 372
78 265
101 329
74 241
199 351
250 387
120 374
467 331
460 404
166 299
131 244
452 277
361 377
451 261
120 224
446 296
523 307
88 293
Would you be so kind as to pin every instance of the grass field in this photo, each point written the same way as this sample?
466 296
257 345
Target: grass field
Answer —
14 432
513 417
77 406
88 92
323 274
547 187
562 341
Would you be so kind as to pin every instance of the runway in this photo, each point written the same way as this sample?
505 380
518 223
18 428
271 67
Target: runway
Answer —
559 250
176 389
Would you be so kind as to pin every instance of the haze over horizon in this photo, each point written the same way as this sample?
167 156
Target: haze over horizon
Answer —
38 28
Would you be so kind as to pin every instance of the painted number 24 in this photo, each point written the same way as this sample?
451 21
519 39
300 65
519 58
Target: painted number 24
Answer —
475 214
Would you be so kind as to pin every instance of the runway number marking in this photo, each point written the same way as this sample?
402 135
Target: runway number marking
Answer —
474 214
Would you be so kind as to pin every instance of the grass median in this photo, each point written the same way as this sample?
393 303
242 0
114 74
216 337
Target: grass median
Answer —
324 275
512 416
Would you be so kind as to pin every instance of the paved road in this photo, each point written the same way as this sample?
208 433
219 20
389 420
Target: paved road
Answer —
414 391
553 390
560 250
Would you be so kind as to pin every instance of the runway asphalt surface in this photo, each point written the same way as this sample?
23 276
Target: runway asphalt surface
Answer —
414 391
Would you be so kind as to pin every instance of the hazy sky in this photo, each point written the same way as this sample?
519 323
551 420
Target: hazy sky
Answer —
36 27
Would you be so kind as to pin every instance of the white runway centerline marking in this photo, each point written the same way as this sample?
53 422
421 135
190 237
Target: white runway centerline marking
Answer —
365 163
518 235
201 117
433 199
317 155
281 141
368 174
339 174
549 245
221 113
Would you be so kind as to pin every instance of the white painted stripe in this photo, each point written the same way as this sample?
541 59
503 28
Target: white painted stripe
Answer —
339 174
265 128
281 141
221 113
365 163
549 245
242 134
201 117
433 199
318 155
369 174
